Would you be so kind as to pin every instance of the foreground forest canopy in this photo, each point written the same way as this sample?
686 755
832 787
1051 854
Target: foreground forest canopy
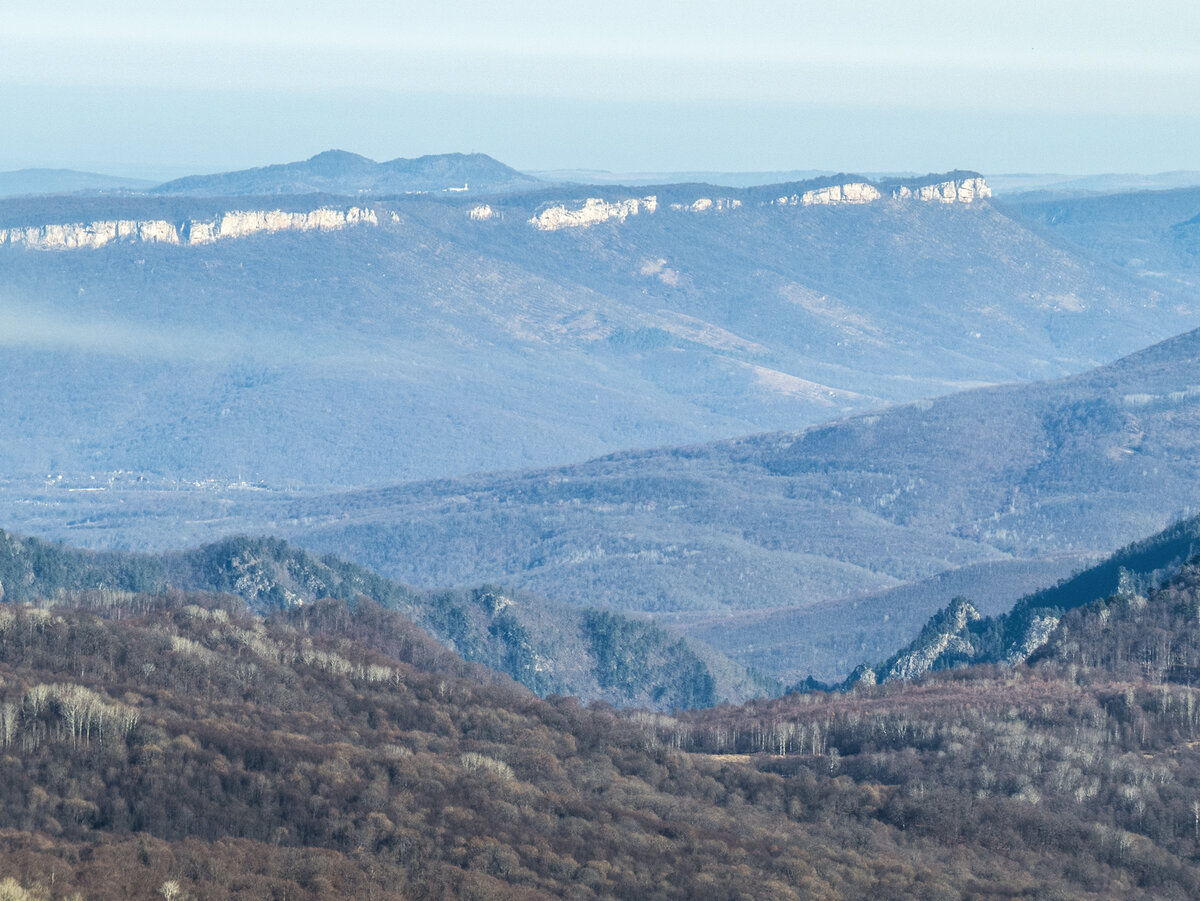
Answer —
174 744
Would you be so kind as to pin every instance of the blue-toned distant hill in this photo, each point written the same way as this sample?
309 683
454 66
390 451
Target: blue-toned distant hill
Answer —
340 172
26 182
990 478
1152 235
728 179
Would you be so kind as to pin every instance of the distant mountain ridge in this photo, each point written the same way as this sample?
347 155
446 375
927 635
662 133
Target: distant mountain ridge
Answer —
31 182
341 172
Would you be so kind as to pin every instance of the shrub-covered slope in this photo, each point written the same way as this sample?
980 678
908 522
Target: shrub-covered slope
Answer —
178 744
548 647
958 635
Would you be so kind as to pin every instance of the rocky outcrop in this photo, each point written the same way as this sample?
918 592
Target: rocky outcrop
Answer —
239 224
961 190
593 212
954 190
946 632
91 234
965 189
1037 634
854 192
234 224
862 675
704 204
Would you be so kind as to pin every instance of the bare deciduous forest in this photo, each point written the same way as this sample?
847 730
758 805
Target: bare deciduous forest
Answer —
176 740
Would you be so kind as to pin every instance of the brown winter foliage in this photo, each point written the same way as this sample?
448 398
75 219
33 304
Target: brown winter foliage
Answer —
176 746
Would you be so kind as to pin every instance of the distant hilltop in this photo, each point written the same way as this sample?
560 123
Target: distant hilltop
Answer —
341 172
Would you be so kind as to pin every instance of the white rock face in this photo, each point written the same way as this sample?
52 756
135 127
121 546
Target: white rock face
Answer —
918 662
704 204
482 213
855 192
91 234
151 230
964 190
1040 629
234 224
593 212
596 210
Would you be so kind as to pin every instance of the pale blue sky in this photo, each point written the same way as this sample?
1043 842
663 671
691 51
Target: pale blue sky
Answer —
129 86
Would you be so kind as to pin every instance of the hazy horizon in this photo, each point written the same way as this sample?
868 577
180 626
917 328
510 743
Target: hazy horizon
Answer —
138 89
158 173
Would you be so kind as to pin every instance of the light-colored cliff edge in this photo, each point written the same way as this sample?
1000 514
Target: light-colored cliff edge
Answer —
234 224
853 192
704 204
952 636
594 211
963 190
959 190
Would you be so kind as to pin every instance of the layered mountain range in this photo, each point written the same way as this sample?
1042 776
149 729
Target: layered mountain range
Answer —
549 647
960 636
996 476
169 742
440 341
166 393
247 719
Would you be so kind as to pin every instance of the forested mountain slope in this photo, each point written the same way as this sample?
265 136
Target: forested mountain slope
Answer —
959 636
441 336
176 744
551 648
1154 235
998 475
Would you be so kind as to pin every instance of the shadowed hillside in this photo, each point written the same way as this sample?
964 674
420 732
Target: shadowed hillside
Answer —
548 647
1043 621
